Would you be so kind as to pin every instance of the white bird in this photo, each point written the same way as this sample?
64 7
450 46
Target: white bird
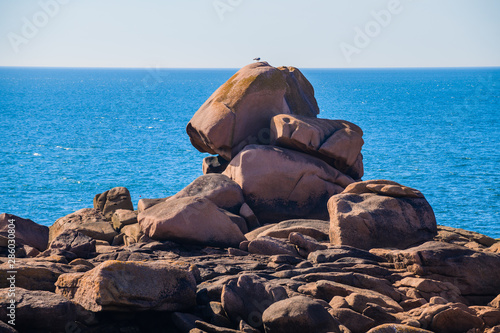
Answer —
256 59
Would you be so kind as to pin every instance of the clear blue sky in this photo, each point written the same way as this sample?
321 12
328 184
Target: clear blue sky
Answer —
229 33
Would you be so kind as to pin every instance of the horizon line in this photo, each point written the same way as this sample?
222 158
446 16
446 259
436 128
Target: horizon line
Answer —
153 67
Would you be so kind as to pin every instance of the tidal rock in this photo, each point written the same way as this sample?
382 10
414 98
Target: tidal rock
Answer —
474 273
192 220
380 213
26 231
110 201
298 314
123 217
130 286
337 142
74 241
248 297
288 185
88 221
38 310
214 164
222 191
239 112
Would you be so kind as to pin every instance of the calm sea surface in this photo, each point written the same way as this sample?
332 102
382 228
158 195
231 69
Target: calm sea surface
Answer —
67 134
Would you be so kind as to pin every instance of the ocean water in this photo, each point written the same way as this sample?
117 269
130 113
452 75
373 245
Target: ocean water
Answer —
68 134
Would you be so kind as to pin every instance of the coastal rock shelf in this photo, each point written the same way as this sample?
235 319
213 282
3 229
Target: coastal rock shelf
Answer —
279 234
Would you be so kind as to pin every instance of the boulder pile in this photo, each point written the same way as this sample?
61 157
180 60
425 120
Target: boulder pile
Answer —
279 234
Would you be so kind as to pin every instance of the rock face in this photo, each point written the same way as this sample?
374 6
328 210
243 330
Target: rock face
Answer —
239 112
191 219
298 314
110 201
88 221
73 241
214 164
130 286
474 273
338 142
39 310
27 232
287 185
222 191
380 213
248 297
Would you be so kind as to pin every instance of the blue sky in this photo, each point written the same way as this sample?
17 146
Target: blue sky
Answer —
230 33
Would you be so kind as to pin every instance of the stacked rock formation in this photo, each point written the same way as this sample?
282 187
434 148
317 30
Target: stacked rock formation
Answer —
279 235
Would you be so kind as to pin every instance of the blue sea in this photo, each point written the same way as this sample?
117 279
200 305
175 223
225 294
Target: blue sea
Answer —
68 134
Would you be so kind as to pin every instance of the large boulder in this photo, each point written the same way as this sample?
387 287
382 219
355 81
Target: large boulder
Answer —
26 231
380 213
338 142
299 314
219 189
88 221
110 201
130 286
190 220
280 184
239 112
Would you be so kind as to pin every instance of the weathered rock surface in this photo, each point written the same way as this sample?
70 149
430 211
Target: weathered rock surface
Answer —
288 185
74 241
317 229
40 310
88 221
337 142
239 112
110 201
26 232
380 213
191 219
130 286
474 273
298 314
248 297
222 191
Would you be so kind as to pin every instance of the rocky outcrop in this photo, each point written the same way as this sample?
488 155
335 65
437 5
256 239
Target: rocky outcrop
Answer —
214 164
26 232
474 273
288 185
192 220
210 259
380 213
90 222
110 201
338 142
130 286
239 112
